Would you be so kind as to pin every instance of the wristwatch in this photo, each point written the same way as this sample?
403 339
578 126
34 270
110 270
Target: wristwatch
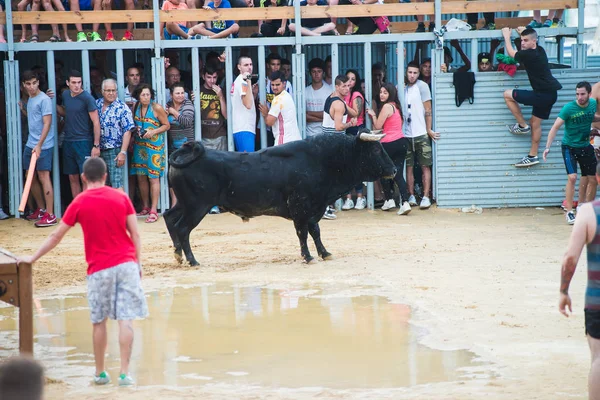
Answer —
97 146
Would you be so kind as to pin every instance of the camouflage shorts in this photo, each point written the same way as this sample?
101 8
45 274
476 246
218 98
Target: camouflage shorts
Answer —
419 148
116 293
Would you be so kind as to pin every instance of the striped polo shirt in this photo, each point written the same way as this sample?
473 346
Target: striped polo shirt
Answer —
592 293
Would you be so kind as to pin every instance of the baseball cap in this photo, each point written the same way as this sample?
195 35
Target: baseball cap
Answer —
484 57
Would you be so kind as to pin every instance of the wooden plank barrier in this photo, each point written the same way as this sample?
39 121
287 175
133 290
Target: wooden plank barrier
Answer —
16 288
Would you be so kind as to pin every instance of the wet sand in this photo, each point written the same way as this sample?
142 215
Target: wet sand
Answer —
483 283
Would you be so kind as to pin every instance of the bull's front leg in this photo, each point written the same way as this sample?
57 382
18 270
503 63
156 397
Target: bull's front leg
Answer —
172 218
315 232
302 232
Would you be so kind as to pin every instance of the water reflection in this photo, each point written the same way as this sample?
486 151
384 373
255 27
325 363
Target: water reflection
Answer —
291 337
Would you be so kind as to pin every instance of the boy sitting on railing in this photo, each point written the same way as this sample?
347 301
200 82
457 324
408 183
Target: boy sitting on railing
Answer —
178 29
219 29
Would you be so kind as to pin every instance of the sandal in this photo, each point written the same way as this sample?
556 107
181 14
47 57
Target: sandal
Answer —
54 39
152 217
145 211
33 39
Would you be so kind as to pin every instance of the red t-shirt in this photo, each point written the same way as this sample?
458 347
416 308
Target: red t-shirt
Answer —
102 213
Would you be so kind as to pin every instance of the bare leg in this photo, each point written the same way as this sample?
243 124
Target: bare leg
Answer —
97 5
35 6
583 189
36 193
155 192
514 108
570 191
174 29
426 180
46 183
125 344
594 378
22 6
144 190
59 7
410 180
75 184
191 5
232 30
537 15
591 189
129 5
100 342
536 135
75 7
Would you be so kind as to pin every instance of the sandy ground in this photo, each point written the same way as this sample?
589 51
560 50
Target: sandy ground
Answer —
486 283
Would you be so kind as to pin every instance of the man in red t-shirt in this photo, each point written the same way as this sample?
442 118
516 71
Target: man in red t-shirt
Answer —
112 252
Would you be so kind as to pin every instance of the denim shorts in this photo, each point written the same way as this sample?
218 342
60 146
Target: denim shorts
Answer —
74 155
116 293
44 161
169 36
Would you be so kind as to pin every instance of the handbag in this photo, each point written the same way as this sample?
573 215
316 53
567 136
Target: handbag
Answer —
383 24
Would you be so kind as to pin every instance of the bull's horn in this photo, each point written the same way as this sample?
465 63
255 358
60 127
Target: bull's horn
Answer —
371 137
377 132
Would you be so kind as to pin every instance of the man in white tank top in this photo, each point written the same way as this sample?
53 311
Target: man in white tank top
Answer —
335 114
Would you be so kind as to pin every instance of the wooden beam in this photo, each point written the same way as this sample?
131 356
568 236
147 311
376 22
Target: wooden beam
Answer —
81 17
457 7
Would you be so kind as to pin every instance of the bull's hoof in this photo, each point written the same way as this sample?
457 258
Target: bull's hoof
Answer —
178 257
327 256
309 259
194 263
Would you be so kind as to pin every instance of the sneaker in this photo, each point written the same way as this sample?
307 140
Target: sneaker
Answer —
348 205
215 210
570 218
126 380
564 204
95 36
425 203
559 24
102 379
489 27
36 215
412 200
517 129
534 24
46 220
388 205
405 209
420 28
81 37
109 37
329 214
3 215
128 36
361 203
528 162
547 24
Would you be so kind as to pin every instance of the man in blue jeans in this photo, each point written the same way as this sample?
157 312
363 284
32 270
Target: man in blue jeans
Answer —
243 107
82 130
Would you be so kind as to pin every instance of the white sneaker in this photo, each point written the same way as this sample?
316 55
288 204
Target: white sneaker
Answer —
102 379
3 215
329 214
348 205
570 217
388 205
425 203
405 209
126 380
361 203
412 200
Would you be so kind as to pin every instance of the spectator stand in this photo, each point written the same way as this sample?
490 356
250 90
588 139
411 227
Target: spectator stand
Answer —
299 59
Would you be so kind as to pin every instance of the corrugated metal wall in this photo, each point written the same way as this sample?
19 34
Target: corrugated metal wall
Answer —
474 157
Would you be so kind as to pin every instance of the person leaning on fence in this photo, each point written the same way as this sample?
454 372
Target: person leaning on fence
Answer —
116 123
314 26
243 107
542 97
394 143
112 251
213 110
316 94
21 378
177 29
281 115
149 149
41 142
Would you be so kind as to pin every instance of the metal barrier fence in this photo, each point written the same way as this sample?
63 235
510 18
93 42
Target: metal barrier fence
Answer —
232 47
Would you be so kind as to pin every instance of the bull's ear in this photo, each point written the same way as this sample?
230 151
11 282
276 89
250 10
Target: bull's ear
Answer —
371 137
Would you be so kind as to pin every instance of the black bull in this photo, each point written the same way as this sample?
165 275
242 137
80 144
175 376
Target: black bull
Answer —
295 181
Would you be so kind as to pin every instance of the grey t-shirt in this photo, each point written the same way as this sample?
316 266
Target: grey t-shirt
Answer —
37 108
78 125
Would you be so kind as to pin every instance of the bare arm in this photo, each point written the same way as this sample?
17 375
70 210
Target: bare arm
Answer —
270 120
553 131
162 117
248 99
456 44
51 242
96 123
132 228
510 50
386 111
428 115
223 102
314 116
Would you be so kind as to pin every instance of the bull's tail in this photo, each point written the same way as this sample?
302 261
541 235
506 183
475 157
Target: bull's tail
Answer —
186 155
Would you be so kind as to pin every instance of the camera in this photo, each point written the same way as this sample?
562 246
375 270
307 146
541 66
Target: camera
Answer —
139 132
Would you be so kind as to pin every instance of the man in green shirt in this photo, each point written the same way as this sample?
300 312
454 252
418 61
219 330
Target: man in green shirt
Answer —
577 116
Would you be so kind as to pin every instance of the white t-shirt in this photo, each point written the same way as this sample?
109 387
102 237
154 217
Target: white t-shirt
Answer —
244 119
285 129
414 96
315 101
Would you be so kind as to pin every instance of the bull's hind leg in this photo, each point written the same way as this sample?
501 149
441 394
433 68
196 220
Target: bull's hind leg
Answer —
188 222
173 218
302 232
315 232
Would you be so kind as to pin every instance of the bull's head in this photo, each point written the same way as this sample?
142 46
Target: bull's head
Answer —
374 161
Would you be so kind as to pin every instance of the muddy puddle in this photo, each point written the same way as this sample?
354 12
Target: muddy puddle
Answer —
342 337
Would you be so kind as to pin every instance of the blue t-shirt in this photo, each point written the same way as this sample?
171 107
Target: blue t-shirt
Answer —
78 125
221 25
38 107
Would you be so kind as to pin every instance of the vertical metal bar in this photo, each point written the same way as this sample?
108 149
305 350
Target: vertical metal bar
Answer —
156 20
55 155
298 63
474 54
369 97
13 115
400 74
580 20
158 79
298 23
262 93
228 84
85 70
438 13
10 34
436 61
335 62
196 90
121 92
560 49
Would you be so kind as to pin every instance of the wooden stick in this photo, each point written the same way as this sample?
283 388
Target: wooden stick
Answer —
28 182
